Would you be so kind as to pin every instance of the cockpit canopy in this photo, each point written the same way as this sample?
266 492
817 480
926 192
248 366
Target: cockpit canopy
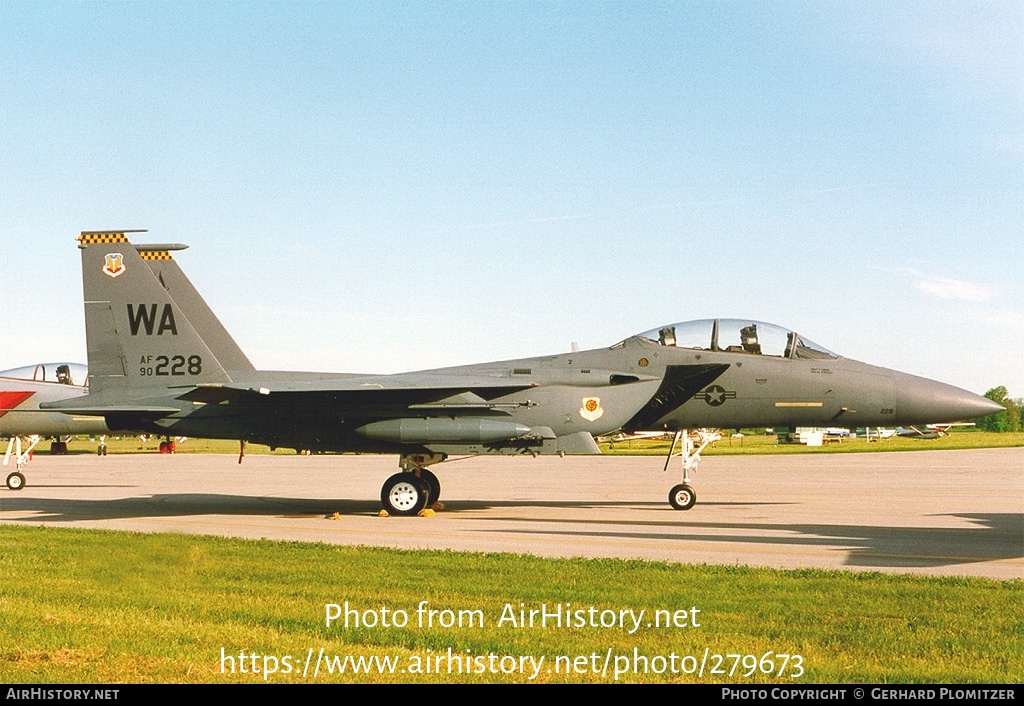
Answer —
738 336
64 373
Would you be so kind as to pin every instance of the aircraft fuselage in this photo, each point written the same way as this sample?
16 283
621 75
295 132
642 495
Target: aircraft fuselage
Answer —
637 385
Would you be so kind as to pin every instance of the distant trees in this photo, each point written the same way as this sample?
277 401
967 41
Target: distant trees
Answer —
1008 420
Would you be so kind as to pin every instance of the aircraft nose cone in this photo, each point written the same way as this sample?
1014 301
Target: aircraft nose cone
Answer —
924 401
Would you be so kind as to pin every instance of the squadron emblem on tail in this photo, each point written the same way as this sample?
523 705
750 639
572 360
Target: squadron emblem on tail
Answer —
113 264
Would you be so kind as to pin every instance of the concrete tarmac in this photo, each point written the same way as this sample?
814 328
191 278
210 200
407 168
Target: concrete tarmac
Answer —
925 512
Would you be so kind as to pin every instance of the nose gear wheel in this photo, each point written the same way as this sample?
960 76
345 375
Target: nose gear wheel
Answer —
682 497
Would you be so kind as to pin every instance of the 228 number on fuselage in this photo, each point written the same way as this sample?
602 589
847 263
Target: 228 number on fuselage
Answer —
170 366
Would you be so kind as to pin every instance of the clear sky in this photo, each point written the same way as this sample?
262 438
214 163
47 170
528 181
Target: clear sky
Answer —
379 187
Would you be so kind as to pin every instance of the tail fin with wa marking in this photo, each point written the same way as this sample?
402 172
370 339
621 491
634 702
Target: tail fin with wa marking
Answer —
139 338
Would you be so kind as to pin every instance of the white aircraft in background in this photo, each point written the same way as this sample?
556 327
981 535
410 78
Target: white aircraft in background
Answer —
932 431
24 424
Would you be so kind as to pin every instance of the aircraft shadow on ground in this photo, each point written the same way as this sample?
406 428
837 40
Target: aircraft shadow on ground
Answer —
198 504
80 485
183 505
997 536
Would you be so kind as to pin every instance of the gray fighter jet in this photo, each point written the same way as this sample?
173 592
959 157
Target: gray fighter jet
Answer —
159 361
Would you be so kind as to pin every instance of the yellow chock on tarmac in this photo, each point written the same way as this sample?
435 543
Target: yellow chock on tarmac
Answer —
426 512
336 516
383 513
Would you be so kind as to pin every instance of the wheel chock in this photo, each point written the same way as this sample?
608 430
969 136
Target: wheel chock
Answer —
425 512
383 513
336 516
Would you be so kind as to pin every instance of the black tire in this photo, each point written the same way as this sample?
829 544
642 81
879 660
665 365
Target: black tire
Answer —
433 485
682 497
403 494
15 481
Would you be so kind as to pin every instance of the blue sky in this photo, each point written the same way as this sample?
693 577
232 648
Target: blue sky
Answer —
391 186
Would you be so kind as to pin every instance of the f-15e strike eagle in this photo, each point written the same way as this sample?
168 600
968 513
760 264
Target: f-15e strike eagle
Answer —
160 362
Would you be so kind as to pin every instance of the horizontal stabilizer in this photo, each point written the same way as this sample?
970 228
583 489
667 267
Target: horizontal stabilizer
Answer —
76 406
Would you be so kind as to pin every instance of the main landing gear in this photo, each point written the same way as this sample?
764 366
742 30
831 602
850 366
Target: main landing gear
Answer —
683 496
16 479
415 488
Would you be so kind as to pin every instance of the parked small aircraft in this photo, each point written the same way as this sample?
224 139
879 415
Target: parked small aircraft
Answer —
160 362
932 431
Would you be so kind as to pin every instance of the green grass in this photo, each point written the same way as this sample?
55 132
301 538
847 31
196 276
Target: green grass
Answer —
752 443
98 606
133 445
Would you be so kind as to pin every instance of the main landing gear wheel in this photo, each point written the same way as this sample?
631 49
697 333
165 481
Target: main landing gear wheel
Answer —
404 494
15 481
682 497
433 485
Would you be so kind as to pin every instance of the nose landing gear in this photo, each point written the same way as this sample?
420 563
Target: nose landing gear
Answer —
683 496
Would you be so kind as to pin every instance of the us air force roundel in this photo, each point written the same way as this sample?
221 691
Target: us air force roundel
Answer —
591 409
716 395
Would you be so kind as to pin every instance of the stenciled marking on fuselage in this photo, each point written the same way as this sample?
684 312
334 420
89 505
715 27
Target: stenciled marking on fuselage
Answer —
716 395
146 318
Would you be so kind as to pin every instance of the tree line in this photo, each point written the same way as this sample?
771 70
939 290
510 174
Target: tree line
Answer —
1010 419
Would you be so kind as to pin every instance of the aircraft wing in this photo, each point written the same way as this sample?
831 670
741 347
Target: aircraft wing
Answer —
385 395
405 381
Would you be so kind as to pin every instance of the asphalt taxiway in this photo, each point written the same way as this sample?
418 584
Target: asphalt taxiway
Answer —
925 512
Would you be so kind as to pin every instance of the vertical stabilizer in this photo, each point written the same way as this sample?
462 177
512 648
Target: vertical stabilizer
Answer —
138 337
188 299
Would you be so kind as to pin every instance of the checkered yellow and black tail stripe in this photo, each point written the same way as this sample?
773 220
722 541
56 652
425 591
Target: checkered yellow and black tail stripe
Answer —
92 238
155 255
